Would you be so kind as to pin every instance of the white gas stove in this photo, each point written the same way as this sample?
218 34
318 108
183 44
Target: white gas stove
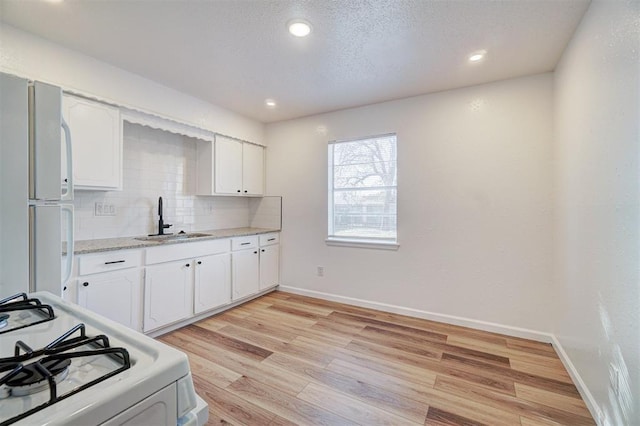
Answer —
61 364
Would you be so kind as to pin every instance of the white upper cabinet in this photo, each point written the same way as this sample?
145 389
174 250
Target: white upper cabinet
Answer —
96 135
252 169
230 167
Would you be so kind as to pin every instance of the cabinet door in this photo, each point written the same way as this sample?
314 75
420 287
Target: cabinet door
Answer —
96 138
252 169
69 291
212 282
246 270
228 166
168 293
269 266
115 295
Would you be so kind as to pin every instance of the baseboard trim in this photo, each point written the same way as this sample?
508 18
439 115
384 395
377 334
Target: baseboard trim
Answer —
587 396
417 313
183 323
471 323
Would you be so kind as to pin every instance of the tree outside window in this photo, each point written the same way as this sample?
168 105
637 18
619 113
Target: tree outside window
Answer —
363 189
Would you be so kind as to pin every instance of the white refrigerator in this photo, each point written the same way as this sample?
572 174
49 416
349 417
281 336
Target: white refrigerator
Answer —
36 214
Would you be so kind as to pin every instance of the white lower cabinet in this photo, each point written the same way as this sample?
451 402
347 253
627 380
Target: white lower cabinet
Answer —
176 290
69 291
255 263
269 260
168 293
246 272
212 283
115 295
110 284
269 266
180 281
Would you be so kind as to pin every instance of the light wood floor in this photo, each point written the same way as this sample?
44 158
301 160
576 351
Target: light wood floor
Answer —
288 359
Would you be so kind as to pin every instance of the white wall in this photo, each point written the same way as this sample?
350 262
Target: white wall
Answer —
474 208
597 101
29 56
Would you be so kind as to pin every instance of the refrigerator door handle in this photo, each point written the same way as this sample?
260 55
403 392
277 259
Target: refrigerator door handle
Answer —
68 194
68 208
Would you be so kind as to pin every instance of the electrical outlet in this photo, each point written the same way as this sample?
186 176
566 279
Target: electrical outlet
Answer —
321 271
104 209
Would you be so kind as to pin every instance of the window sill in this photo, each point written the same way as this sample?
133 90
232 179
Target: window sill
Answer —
370 244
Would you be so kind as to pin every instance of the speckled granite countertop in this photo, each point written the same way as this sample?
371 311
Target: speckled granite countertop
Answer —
108 244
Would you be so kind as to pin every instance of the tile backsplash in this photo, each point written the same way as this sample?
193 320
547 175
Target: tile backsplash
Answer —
158 163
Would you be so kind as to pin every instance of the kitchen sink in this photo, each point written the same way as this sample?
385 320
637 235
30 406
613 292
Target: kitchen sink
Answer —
173 237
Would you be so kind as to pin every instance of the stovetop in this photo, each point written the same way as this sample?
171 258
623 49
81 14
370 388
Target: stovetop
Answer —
94 386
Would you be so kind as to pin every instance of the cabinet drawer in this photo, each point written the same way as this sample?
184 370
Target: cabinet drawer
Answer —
241 243
268 239
170 252
111 261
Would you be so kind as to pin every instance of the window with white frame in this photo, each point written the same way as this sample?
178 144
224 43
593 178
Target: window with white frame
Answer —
363 190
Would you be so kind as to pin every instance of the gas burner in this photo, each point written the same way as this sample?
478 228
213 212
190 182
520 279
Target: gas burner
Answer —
28 312
50 374
30 380
4 320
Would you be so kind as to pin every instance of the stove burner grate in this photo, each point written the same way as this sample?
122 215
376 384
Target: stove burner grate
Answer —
20 302
45 372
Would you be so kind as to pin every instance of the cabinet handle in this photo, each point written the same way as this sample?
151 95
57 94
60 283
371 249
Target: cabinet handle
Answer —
245 191
238 190
114 261
199 262
271 239
244 244
262 250
187 265
64 288
85 284
255 252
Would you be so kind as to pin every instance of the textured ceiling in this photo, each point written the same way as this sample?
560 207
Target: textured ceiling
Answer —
236 54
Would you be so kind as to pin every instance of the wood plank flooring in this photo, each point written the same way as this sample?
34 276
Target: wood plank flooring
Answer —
286 359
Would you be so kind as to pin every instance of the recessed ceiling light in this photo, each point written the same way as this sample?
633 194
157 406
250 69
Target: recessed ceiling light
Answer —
299 27
270 103
477 56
